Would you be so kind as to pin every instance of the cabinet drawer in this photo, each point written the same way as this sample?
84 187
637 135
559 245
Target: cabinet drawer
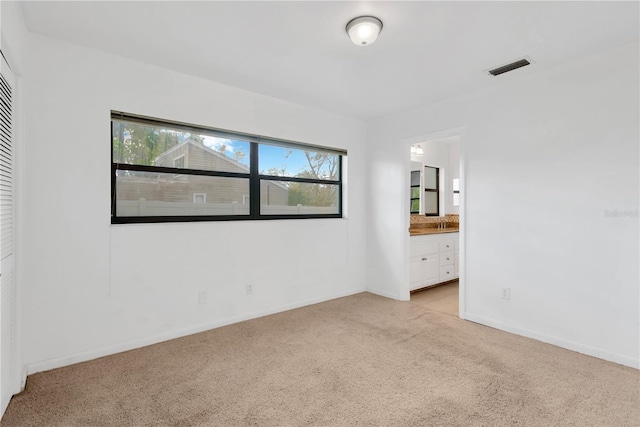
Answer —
447 245
447 258
447 273
420 247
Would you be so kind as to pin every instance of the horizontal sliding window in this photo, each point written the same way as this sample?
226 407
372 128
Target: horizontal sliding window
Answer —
166 171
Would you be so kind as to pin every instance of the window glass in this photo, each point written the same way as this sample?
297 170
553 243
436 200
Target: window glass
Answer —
291 198
299 163
415 178
430 177
161 194
431 191
430 203
415 205
456 192
146 145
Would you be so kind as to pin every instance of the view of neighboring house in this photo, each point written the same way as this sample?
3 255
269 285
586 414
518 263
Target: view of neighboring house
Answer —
193 154
177 194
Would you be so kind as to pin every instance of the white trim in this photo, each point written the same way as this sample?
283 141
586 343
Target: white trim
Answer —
560 342
386 294
20 378
17 374
71 359
462 226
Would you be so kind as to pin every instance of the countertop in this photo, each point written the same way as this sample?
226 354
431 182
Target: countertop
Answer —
432 230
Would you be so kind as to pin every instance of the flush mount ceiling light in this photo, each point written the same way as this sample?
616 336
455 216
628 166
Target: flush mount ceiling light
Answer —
417 150
364 30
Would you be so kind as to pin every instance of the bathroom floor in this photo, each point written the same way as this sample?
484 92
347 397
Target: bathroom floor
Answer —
443 298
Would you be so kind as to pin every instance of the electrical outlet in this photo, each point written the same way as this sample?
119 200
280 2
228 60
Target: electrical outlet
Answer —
249 288
202 297
506 293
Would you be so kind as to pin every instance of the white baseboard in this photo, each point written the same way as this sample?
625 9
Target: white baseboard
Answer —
384 294
45 365
560 342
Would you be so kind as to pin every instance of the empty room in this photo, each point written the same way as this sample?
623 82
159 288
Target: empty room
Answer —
321 213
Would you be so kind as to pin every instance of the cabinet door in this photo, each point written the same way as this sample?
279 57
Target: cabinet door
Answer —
415 273
430 269
423 271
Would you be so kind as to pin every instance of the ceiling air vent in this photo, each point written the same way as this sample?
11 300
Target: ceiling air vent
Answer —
510 67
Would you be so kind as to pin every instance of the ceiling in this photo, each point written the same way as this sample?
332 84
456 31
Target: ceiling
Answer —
300 52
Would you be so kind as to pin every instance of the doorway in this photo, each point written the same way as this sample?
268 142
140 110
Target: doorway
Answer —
443 298
435 209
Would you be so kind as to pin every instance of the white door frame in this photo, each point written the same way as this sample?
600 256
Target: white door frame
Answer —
406 147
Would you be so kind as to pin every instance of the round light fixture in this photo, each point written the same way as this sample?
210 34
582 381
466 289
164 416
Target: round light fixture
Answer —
364 30
416 150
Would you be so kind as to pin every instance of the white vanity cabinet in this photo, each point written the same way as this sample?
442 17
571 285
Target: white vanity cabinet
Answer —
434 259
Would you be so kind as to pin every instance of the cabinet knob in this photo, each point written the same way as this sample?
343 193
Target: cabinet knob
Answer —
424 259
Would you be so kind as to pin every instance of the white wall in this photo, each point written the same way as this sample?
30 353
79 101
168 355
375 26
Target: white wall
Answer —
546 155
91 288
14 34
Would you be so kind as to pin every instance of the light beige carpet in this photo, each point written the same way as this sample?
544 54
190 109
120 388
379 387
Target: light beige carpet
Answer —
360 360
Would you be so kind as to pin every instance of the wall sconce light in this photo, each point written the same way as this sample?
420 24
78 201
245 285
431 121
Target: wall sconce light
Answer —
416 150
364 30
